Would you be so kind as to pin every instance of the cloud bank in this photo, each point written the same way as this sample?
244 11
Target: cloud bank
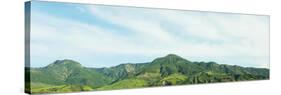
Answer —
108 35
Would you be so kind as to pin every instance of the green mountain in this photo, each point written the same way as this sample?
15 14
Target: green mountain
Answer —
70 76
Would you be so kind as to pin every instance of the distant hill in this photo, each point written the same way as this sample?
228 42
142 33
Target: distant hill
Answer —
70 76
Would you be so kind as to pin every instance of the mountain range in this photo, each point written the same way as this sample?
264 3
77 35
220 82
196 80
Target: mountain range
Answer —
70 76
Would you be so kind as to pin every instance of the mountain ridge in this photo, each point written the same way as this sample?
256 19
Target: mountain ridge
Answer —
168 70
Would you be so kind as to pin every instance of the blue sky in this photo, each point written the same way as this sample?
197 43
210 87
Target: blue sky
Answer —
104 36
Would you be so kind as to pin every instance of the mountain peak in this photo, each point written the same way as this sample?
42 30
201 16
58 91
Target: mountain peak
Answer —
172 55
66 62
170 58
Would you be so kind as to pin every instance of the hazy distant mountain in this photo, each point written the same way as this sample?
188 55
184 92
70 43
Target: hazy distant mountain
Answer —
70 76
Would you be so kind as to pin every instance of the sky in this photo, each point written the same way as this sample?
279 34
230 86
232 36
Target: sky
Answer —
105 36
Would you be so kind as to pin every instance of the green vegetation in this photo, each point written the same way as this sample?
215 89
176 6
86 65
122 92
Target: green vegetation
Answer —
174 79
71 76
60 88
126 83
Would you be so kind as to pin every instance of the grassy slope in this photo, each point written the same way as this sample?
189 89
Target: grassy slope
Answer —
46 88
127 83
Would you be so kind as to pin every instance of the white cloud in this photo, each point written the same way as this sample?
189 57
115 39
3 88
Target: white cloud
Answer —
238 35
232 29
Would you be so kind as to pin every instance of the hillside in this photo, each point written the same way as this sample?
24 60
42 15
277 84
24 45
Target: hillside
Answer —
70 76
